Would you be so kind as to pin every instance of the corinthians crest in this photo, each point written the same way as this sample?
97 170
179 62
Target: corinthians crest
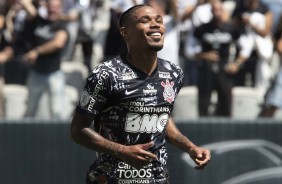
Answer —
168 93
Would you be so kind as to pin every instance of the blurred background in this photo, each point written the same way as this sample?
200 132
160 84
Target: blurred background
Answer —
230 102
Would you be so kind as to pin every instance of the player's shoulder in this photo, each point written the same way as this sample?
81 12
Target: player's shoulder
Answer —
110 66
169 66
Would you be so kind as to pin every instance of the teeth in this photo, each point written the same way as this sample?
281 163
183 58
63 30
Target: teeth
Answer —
156 34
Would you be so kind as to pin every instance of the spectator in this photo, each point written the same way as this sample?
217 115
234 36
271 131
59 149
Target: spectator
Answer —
199 13
214 68
85 37
71 16
49 38
6 53
273 100
17 14
258 19
185 10
100 30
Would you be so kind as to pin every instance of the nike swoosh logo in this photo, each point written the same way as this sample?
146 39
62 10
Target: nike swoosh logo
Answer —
130 92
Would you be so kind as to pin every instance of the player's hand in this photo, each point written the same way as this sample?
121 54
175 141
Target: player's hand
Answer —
137 155
200 156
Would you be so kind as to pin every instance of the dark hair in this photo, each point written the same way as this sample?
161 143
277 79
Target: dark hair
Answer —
124 16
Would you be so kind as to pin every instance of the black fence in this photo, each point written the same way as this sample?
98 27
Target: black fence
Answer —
243 152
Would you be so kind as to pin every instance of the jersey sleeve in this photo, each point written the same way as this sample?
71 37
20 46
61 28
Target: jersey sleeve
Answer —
179 75
179 79
95 93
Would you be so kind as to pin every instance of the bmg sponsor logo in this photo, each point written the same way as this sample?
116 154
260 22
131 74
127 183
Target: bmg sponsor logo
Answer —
147 123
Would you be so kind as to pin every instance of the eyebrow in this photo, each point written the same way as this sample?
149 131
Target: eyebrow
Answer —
148 17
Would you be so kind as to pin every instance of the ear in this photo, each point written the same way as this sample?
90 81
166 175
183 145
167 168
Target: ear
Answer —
124 33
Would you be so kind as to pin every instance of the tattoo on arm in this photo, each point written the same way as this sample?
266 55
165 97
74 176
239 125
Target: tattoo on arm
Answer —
101 144
180 138
113 147
183 142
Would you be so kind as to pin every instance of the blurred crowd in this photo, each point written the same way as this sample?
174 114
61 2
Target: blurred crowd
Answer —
219 44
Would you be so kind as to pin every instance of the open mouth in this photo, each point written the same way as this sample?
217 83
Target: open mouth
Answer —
155 35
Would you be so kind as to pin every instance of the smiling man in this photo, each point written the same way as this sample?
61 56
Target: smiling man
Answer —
130 99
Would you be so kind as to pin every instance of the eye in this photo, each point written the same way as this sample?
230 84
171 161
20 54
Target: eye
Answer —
144 20
159 20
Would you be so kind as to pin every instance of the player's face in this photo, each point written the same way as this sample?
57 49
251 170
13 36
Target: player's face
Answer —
146 29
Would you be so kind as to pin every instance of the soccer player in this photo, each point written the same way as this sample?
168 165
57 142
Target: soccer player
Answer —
130 99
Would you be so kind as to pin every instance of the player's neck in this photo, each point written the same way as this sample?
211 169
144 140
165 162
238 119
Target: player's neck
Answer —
147 63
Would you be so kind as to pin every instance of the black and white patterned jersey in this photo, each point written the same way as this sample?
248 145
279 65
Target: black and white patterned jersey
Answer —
130 107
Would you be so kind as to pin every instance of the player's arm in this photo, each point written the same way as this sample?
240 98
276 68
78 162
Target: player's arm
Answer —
200 156
83 134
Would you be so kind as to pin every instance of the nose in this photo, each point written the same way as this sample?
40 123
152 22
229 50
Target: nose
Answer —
155 24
